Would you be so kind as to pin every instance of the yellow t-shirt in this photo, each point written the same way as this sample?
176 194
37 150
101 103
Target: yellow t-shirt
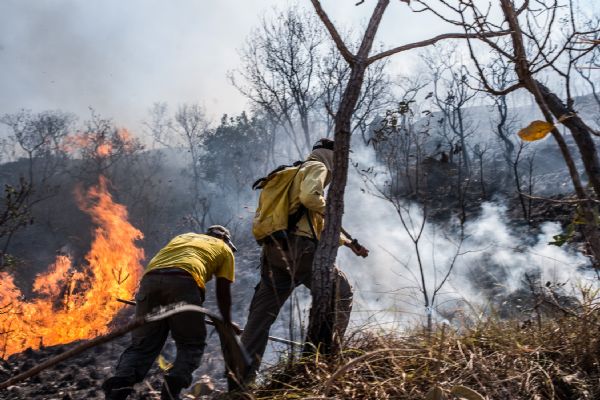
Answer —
202 256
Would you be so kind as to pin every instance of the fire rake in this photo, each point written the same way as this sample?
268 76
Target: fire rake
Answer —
209 322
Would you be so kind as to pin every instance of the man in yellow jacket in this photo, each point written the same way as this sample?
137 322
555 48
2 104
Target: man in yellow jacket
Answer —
285 265
177 273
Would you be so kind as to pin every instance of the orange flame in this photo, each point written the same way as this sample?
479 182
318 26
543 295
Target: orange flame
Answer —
104 150
69 304
101 146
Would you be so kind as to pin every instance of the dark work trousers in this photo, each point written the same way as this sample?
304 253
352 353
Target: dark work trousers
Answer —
281 272
187 329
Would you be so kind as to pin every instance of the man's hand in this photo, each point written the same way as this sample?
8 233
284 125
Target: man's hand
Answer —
358 249
236 328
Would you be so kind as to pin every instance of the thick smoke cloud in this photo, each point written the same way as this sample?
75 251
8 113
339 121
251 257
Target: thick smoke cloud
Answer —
386 282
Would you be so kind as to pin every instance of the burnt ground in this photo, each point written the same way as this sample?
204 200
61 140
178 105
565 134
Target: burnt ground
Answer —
81 377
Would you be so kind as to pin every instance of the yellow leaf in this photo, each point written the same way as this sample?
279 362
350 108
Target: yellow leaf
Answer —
535 131
464 392
436 393
163 363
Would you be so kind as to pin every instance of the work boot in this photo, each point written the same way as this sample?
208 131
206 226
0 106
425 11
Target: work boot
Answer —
171 388
117 388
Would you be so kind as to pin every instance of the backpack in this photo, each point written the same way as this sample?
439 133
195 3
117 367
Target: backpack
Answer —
272 219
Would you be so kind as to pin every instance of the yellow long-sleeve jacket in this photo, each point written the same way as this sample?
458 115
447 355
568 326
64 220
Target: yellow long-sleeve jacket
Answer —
308 188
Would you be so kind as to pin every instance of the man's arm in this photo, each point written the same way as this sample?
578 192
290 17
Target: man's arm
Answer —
224 302
312 188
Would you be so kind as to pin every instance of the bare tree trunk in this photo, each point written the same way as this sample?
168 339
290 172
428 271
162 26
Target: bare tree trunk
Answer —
320 329
590 228
580 132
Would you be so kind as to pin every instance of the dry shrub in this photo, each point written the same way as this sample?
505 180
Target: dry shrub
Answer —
555 358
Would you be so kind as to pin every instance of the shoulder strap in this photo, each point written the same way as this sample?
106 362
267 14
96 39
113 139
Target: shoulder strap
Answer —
295 218
260 182
312 228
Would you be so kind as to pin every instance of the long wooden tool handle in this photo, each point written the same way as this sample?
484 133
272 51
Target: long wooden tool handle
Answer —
209 322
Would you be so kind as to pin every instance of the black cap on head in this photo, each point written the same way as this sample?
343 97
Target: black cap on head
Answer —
323 143
222 233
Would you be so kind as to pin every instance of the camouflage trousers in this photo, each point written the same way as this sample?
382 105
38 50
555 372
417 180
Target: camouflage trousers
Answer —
281 272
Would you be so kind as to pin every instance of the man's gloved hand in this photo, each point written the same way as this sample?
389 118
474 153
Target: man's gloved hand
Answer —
358 249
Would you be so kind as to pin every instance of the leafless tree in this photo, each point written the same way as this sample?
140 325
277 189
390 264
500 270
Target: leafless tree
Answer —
192 125
160 125
400 143
100 145
279 73
375 95
533 50
294 76
40 138
320 331
452 95
504 123
588 69
479 151
525 192
186 131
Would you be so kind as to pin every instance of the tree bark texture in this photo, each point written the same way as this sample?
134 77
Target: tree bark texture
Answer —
590 228
320 329
580 132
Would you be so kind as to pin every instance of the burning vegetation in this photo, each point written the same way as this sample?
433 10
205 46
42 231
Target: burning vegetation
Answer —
74 301
445 162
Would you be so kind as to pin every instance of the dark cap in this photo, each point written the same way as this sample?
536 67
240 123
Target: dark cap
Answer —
222 233
323 143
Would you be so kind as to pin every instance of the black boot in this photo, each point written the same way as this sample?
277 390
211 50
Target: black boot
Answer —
117 388
171 388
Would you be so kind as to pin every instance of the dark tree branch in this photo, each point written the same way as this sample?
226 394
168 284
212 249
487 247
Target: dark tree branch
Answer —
339 42
434 40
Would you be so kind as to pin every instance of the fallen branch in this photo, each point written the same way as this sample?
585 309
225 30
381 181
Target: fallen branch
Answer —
573 201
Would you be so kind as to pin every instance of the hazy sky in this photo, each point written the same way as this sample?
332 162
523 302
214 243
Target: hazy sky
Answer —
121 56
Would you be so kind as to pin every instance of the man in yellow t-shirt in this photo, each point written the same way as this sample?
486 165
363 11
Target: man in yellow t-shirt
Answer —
178 272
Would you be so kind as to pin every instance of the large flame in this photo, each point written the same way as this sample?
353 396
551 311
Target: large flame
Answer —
75 302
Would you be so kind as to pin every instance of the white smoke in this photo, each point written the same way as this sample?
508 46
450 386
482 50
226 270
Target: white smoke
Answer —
387 282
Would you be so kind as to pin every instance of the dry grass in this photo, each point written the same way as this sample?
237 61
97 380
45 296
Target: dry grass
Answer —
555 358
